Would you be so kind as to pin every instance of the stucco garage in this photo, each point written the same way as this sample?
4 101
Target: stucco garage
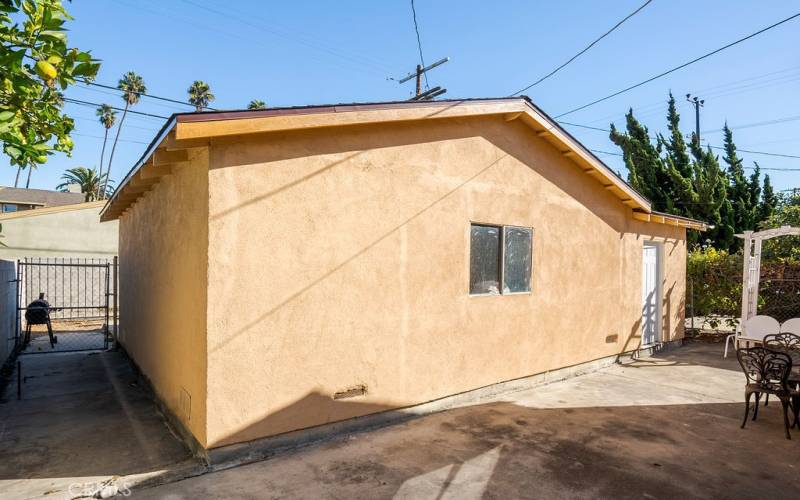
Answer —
296 267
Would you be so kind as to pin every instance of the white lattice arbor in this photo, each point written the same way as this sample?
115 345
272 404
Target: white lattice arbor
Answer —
751 273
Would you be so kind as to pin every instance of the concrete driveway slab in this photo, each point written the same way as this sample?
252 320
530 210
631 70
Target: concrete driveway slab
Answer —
664 427
83 419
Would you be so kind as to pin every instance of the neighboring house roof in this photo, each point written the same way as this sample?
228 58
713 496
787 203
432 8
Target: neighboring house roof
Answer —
41 197
51 210
188 130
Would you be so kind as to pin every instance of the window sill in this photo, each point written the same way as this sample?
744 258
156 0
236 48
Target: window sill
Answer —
479 295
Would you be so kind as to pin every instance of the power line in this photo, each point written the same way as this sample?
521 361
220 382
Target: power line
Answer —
95 104
419 42
100 137
95 84
127 125
361 62
151 96
605 152
758 124
681 66
780 155
600 129
749 168
720 90
83 86
545 77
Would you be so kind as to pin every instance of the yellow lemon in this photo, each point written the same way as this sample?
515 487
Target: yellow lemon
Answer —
45 70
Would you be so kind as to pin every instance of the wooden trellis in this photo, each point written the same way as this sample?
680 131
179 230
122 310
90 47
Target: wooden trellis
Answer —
751 273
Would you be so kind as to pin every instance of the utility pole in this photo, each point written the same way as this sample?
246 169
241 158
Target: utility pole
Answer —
697 103
418 75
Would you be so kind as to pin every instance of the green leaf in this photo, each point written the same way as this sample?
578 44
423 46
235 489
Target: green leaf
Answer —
58 36
86 69
13 151
6 115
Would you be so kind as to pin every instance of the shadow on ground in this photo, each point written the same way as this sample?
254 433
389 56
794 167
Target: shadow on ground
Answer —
82 415
503 450
660 427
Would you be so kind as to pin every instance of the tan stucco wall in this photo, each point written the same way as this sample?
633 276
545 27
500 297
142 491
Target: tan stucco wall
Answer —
69 233
340 257
163 261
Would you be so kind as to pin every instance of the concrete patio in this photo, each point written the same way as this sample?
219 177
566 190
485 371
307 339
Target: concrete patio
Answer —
660 427
83 419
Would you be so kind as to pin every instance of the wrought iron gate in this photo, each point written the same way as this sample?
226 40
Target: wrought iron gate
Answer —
82 296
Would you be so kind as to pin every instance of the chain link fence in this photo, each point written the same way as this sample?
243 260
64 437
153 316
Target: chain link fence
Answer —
714 292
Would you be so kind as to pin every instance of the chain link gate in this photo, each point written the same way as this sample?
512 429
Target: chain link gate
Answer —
81 293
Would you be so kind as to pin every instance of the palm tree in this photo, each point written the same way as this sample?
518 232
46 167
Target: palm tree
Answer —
107 117
88 179
30 171
257 104
132 87
200 95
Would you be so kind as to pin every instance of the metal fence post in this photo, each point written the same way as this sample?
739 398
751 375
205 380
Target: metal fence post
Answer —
18 299
108 317
116 301
691 300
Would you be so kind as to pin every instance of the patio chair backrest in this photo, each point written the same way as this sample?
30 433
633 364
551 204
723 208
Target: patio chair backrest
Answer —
791 326
784 342
759 326
765 367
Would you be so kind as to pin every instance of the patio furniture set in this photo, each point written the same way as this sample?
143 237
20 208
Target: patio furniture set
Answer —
770 360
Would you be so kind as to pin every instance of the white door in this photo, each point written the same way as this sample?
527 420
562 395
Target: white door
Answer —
651 296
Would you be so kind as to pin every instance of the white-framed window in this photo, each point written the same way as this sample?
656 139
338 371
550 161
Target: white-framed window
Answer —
500 259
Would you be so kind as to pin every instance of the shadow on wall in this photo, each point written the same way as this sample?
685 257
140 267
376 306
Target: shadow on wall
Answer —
513 140
312 410
350 259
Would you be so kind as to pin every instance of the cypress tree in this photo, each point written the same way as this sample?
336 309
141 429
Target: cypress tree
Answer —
742 205
685 179
677 157
710 192
646 172
769 201
754 187
678 164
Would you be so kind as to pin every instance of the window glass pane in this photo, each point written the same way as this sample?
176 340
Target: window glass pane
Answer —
484 260
9 208
517 265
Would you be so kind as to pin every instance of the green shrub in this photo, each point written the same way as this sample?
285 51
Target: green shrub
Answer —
714 285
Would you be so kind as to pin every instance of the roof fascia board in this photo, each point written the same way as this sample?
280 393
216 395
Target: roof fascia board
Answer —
165 130
584 157
51 210
187 130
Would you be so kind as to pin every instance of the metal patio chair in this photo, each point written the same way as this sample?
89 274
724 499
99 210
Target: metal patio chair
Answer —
788 343
767 372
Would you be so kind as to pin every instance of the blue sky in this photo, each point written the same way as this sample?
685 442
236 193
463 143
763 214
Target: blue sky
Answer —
297 53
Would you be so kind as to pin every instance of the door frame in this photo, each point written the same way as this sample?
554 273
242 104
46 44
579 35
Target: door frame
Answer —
659 292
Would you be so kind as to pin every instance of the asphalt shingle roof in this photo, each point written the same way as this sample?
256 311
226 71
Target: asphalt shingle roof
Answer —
38 197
